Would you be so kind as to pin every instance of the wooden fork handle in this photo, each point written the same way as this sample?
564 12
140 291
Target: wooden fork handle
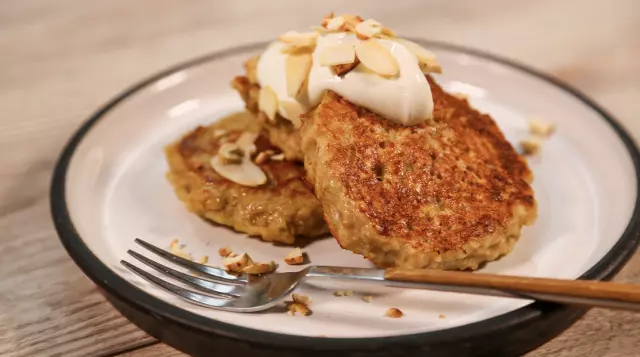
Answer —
579 292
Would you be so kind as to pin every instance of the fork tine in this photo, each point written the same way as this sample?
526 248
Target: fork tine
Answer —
219 290
192 296
191 265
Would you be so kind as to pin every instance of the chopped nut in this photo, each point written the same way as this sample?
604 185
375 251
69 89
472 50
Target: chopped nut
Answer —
327 18
294 257
297 71
268 102
393 313
351 22
368 28
540 128
338 54
260 268
219 133
348 293
263 157
301 299
225 252
367 298
237 264
176 249
297 308
277 157
204 260
335 24
530 146
377 58
338 293
442 317
342 69
230 153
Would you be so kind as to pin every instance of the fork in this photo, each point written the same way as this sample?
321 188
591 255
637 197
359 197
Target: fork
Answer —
217 289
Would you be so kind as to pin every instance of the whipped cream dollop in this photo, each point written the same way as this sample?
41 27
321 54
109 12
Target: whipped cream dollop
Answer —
404 98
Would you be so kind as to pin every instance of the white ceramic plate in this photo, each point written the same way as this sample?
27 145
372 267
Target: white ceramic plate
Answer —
111 189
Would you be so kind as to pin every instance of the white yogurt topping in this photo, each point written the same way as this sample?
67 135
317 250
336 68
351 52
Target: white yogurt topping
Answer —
405 99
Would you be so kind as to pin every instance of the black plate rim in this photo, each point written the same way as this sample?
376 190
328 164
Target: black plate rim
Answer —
113 284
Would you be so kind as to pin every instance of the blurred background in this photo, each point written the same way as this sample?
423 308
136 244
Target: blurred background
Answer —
60 60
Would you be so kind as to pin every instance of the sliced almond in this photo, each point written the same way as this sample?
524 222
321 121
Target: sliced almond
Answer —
268 102
236 264
335 24
294 257
342 69
426 59
246 173
540 128
246 139
351 21
204 260
292 111
367 29
230 153
260 268
263 157
338 54
367 298
388 32
297 71
377 58
326 19
295 42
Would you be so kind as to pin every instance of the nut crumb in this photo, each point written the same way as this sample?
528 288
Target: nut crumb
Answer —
530 146
348 293
297 308
540 128
225 252
301 299
343 293
204 260
176 249
393 313
260 268
367 298
295 257
237 264
442 317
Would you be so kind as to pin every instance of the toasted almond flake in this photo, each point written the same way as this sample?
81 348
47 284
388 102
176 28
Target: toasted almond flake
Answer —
430 67
426 59
230 153
277 157
530 146
260 268
339 293
263 157
351 22
204 260
268 102
388 32
342 69
335 24
540 128
236 264
377 58
176 249
298 42
393 313
367 298
246 140
296 308
442 317
327 18
338 54
225 252
294 257
245 173
292 111
219 133
297 71
368 28
301 299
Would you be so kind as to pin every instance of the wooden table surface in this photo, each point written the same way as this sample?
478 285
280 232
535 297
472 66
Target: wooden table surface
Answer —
59 60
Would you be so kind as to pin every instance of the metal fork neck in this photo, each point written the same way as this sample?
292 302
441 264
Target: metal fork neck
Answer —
368 274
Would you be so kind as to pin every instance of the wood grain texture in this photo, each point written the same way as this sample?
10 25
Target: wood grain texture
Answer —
62 59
